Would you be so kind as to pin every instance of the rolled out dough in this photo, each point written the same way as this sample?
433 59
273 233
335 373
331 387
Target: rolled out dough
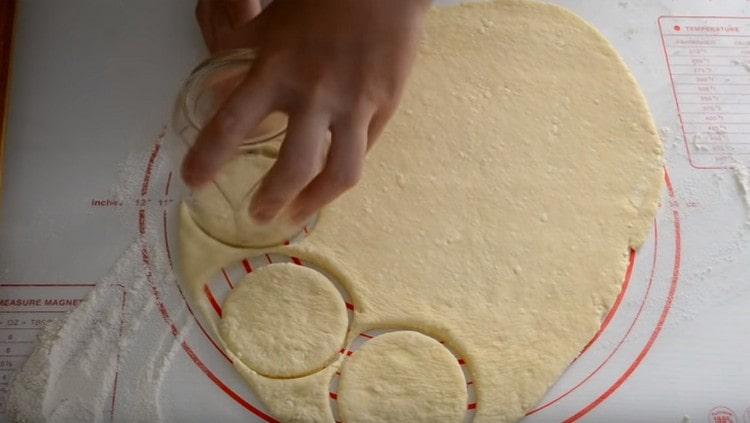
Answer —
402 377
496 212
284 320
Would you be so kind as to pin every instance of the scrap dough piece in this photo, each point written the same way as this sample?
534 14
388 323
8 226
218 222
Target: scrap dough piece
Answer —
497 210
284 320
402 377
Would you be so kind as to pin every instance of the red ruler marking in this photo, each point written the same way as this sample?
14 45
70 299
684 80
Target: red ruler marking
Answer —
212 299
169 181
247 266
166 239
226 278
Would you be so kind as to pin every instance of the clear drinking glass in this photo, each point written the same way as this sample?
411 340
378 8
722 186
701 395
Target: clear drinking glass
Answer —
221 208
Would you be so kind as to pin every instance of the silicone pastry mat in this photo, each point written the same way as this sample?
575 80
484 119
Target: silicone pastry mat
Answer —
674 347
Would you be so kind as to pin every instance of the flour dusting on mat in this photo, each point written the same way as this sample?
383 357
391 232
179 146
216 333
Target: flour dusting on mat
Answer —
743 180
72 374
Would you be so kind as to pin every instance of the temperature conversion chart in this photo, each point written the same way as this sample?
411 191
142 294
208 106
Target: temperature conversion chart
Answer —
25 309
709 66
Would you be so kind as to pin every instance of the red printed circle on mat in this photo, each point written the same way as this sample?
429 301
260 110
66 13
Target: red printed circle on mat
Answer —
722 415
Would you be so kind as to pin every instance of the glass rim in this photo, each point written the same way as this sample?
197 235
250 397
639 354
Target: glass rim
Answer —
187 98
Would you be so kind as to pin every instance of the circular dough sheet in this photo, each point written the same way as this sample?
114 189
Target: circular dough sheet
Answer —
284 320
497 210
221 208
402 377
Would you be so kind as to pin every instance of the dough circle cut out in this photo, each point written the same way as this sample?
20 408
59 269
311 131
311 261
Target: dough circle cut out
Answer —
221 208
402 376
284 320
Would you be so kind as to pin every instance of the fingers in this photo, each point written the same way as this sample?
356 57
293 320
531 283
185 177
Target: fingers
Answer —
342 170
245 108
296 166
203 12
242 11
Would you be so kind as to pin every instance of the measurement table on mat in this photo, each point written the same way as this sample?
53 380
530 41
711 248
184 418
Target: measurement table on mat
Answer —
25 309
709 66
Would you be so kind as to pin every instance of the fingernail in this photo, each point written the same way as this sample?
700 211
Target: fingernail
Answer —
261 215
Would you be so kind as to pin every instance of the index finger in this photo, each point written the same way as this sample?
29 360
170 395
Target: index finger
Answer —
217 143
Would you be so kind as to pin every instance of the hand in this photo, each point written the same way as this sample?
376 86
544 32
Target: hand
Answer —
330 65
